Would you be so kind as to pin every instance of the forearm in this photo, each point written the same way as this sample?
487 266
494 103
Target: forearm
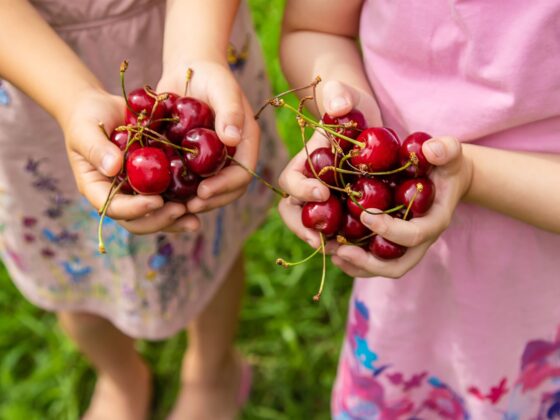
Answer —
196 30
519 184
319 38
36 60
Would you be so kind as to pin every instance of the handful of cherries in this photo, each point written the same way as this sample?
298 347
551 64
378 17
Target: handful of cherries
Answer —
364 168
169 146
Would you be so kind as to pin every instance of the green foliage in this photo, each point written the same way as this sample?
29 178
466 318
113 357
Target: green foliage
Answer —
292 341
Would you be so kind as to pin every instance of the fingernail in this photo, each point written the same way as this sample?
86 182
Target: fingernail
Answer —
153 206
311 243
317 194
367 219
108 162
233 132
436 147
338 103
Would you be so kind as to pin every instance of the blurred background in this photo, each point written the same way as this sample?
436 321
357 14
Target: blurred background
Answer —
292 342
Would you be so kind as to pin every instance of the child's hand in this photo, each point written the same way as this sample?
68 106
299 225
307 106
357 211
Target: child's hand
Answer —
451 177
93 159
213 83
337 100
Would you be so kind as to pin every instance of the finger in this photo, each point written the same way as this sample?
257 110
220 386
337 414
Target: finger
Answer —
227 180
156 221
186 223
291 215
96 188
198 205
94 147
441 150
337 98
225 98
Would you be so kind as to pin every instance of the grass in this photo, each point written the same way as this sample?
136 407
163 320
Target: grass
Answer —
293 342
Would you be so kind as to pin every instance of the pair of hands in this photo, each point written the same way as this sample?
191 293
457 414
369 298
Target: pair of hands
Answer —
451 176
94 159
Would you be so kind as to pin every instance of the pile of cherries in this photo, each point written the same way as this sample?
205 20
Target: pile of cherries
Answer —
169 146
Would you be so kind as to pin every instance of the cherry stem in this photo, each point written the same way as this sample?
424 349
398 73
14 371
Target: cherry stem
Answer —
188 78
419 188
393 171
102 128
154 135
124 66
344 159
276 98
343 241
103 211
388 211
323 275
339 170
286 264
260 178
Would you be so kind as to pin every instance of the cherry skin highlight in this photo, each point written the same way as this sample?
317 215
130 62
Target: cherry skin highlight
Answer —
148 170
380 152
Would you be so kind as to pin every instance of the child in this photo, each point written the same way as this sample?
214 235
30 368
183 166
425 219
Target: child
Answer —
64 56
472 329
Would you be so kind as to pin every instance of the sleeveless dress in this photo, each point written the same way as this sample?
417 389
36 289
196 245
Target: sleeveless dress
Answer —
473 331
148 286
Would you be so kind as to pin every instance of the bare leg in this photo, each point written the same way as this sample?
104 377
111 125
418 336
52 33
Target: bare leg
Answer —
211 369
123 387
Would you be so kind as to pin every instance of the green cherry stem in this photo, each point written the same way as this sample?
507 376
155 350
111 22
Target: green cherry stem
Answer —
103 211
419 188
102 128
323 275
278 191
286 264
124 66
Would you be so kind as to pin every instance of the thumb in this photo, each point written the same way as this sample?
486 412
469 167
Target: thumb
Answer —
225 98
105 156
441 151
337 98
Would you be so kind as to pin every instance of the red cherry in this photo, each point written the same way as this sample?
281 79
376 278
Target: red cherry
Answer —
413 144
374 194
141 102
355 117
192 113
380 151
352 228
210 154
168 104
183 182
120 139
148 170
385 249
324 217
321 158
393 132
423 196
125 187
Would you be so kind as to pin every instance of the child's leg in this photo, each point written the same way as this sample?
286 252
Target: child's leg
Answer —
211 371
123 385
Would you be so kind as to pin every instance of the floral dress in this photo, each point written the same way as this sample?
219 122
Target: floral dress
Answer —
149 286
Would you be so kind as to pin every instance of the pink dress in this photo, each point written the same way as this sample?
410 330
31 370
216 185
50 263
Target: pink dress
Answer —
472 332
149 286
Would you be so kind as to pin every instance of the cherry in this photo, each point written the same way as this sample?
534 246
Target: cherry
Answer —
148 170
418 191
191 113
380 151
183 183
210 152
374 194
168 103
120 139
393 132
352 228
385 249
324 217
321 158
125 187
143 103
353 117
413 145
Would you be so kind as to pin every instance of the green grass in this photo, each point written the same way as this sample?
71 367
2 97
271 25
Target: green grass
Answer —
293 342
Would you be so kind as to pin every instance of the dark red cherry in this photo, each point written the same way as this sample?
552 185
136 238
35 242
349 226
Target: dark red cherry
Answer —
321 158
374 194
210 152
354 117
380 152
148 170
125 187
168 104
183 182
120 139
385 249
143 103
393 132
191 113
324 217
413 145
352 228
423 192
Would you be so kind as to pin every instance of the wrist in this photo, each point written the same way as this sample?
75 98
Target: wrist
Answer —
468 171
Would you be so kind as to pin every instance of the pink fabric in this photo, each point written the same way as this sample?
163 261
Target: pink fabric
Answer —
473 330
